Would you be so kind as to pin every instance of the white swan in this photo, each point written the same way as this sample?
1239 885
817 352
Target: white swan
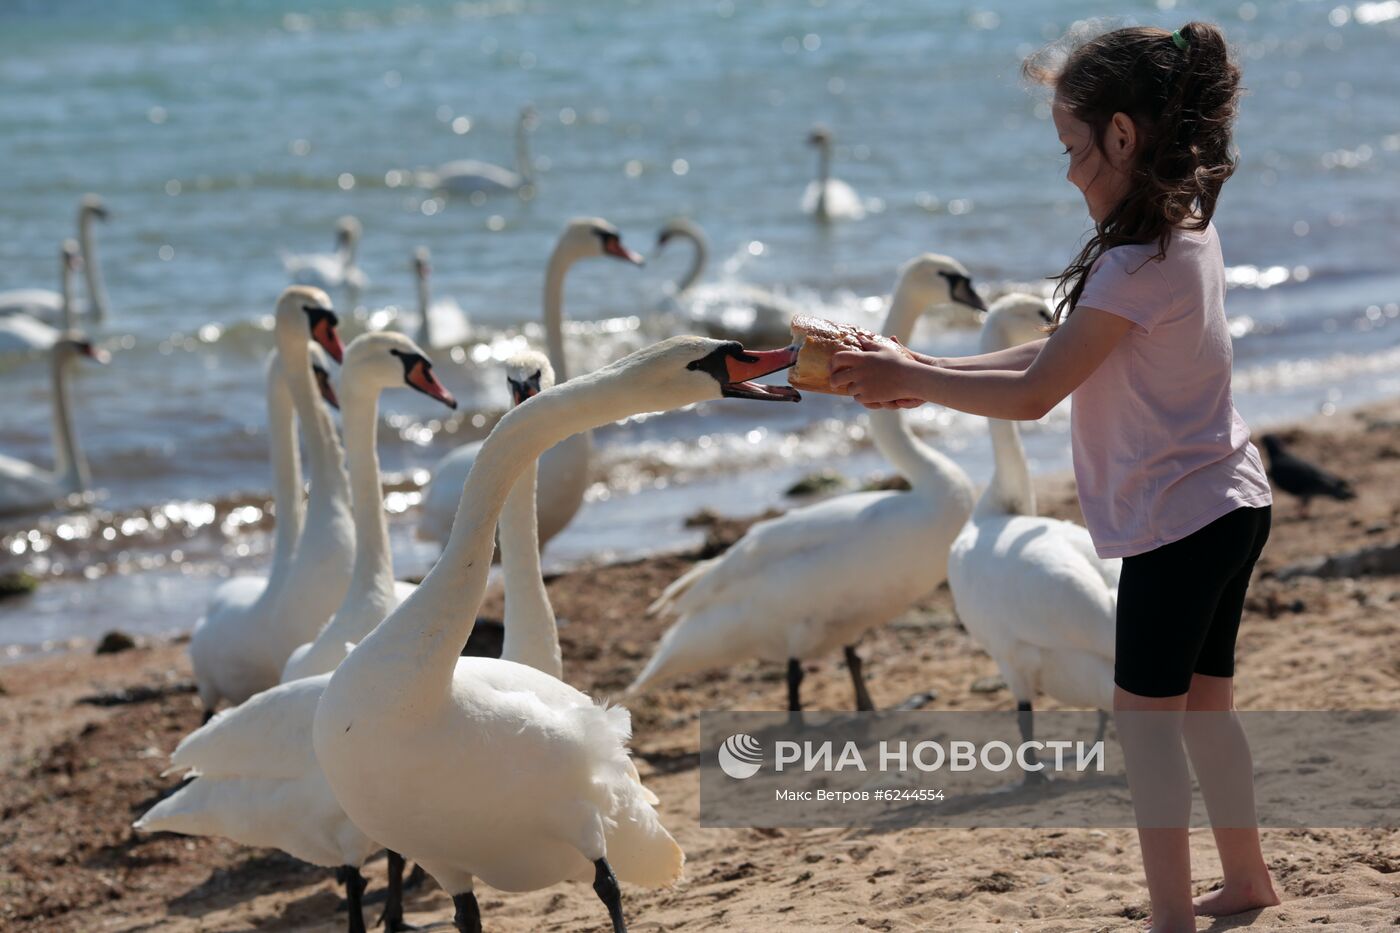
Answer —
465 176
828 198
332 271
819 577
47 305
25 487
241 643
374 362
1031 590
405 724
727 310
21 332
257 781
564 469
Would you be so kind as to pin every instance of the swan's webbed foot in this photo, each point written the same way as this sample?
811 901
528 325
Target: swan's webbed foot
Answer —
605 883
854 665
794 685
354 882
467 913
917 700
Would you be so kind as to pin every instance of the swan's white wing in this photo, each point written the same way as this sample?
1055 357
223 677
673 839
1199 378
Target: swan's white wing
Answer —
1022 580
20 333
23 486
448 323
322 270
467 175
765 544
267 736
806 586
35 302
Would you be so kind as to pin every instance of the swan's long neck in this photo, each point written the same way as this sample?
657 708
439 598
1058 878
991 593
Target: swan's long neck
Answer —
66 293
425 298
92 272
68 459
532 636
423 639
925 468
329 484
554 273
1010 492
373 574
289 509
523 166
823 175
697 262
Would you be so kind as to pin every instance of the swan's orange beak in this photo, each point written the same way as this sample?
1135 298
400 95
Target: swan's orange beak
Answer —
614 247
420 376
754 364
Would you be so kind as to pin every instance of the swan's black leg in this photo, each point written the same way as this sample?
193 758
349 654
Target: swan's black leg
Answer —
794 681
467 916
415 877
354 882
605 883
392 918
1025 718
853 664
1103 727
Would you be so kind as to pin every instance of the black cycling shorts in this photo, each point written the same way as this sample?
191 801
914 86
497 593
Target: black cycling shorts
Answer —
1179 605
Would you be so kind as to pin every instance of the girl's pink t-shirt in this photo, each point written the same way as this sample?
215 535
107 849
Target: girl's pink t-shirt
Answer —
1159 450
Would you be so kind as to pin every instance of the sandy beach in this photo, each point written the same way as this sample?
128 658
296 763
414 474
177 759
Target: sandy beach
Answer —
76 774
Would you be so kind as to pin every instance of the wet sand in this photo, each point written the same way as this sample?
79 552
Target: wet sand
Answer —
75 775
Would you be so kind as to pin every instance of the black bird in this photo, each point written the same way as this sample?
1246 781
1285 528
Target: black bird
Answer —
1300 478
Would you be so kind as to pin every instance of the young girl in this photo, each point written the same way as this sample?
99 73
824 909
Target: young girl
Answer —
1167 477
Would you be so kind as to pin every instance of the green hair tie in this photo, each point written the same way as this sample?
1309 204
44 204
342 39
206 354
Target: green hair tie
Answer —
1179 39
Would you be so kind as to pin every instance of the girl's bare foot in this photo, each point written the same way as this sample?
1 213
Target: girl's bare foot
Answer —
1222 902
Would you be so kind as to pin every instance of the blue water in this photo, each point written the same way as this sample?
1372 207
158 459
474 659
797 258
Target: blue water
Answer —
222 134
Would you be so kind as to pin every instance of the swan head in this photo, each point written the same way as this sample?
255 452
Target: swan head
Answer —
347 231
528 373
1015 319
386 360
686 370
820 136
529 116
92 205
321 369
587 237
301 308
73 345
422 262
937 279
678 227
71 255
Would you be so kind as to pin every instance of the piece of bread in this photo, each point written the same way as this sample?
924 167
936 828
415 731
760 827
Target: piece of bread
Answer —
820 340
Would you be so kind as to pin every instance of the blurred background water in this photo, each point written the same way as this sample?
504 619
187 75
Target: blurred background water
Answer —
222 134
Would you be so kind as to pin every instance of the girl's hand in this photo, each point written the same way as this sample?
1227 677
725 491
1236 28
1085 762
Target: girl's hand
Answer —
876 375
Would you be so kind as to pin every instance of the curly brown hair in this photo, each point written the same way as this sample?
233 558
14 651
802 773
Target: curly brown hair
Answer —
1183 102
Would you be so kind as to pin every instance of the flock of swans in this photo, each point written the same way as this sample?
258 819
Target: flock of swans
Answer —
355 724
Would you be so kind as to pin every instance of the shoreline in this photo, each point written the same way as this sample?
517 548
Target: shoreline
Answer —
75 774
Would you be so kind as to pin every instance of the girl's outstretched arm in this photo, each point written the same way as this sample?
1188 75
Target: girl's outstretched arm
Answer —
877 375
1016 359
